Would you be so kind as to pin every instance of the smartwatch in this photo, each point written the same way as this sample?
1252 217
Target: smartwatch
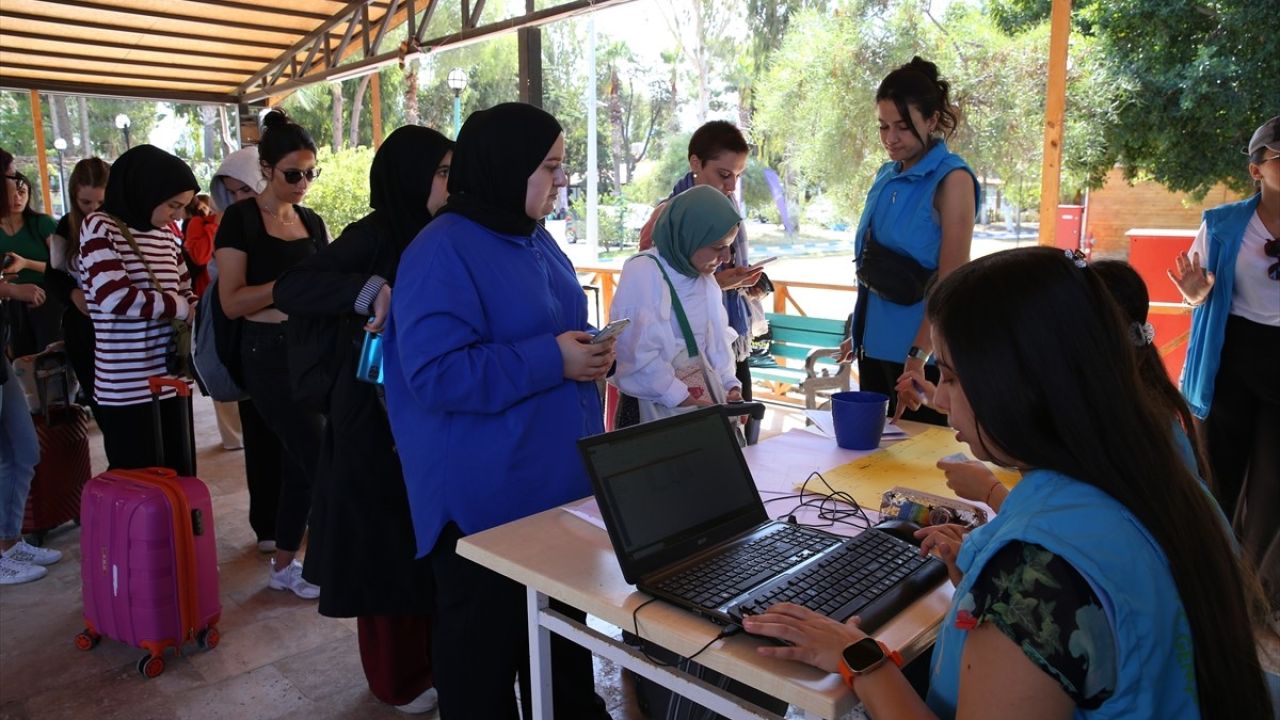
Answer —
918 353
865 656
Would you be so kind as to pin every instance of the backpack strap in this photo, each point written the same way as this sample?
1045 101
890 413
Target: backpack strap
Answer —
691 346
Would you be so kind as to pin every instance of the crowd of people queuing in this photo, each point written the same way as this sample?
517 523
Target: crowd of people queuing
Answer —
1042 361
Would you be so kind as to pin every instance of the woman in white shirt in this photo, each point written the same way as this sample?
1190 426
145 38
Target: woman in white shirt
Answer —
677 351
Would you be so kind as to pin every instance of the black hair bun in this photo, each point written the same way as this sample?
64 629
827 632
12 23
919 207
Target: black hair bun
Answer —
924 67
275 118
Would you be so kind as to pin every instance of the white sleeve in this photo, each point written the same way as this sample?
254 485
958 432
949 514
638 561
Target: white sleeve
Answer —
1200 245
646 350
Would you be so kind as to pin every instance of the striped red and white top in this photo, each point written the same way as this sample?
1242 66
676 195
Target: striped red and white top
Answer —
130 317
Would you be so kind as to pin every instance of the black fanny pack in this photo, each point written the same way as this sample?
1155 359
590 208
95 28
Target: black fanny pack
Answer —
898 278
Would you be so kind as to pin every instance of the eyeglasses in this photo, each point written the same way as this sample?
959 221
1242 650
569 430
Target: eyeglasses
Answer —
293 177
1272 249
20 180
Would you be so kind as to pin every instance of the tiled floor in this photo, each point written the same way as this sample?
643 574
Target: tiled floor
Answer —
278 657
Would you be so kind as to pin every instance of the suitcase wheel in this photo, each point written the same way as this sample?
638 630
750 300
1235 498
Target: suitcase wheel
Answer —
150 666
87 640
208 638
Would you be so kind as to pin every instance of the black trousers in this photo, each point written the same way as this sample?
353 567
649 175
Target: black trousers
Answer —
128 435
480 644
881 375
262 469
265 365
1242 435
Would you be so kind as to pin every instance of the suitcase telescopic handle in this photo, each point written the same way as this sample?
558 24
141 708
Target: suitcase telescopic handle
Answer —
159 383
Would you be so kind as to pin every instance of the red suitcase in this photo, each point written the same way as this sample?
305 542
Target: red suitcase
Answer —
63 470
63 430
149 561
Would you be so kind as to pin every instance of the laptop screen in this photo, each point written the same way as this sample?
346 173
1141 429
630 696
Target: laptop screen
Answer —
669 488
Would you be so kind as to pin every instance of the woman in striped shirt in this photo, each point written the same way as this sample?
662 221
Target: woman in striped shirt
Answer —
147 192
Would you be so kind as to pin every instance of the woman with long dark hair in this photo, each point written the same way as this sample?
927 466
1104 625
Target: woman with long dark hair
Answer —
24 248
87 187
1105 587
258 239
917 224
19 446
490 382
361 547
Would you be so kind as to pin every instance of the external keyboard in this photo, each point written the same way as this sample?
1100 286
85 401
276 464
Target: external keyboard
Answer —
725 576
873 575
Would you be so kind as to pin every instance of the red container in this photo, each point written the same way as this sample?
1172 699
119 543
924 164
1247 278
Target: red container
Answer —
149 563
1152 254
1070 220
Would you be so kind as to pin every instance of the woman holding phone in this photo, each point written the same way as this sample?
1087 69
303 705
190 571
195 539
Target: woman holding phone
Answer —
678 352
490 382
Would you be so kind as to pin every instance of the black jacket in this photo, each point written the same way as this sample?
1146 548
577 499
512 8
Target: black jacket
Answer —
361 548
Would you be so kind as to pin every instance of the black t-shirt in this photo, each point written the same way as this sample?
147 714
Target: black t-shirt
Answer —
241 228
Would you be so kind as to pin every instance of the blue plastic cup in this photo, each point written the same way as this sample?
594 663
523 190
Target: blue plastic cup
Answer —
859 419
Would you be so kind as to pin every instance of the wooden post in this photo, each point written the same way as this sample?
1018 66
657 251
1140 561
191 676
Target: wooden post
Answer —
375 98
37 123
1055 104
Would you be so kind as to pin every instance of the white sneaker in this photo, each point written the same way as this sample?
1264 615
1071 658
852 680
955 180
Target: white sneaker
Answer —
290 578
27 553
13 572
424 703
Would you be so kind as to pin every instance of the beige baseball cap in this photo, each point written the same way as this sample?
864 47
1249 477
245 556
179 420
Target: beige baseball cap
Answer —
1267 136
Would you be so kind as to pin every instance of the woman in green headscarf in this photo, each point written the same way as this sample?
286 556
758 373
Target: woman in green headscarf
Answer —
677 352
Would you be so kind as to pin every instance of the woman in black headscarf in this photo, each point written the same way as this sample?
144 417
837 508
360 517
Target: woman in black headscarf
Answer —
490 382
361 547
135 283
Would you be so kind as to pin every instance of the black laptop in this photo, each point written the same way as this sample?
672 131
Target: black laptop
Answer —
688 526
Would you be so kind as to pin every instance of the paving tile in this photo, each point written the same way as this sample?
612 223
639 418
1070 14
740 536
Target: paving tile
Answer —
325 670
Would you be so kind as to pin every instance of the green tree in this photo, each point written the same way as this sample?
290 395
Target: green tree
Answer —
341 195
1193 80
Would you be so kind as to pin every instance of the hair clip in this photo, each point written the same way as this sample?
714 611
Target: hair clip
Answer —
1141 334
1076 257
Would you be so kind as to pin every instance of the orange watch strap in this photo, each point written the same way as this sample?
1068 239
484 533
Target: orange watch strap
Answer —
847 674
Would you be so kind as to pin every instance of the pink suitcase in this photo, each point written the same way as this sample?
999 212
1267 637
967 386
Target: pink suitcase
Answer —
149 563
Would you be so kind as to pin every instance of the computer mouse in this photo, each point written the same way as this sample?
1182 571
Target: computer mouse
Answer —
904 530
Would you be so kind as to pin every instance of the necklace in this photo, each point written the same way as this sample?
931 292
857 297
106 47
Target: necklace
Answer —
272 213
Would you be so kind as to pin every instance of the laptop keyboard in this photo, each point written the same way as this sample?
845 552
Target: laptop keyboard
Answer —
873 575
728 575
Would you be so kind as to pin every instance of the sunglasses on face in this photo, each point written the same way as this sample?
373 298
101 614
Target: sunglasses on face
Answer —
293 177
20 180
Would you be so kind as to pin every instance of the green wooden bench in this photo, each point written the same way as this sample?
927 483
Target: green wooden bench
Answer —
812 341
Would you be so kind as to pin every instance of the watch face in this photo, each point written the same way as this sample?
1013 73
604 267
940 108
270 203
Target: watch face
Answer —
863 655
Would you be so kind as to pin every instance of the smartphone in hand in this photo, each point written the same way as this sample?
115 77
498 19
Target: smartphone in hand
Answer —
610 331
763 262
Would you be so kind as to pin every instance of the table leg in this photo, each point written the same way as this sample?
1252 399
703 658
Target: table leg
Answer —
539 658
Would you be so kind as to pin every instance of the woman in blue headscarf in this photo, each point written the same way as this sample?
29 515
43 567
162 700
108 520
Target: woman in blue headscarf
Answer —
677 353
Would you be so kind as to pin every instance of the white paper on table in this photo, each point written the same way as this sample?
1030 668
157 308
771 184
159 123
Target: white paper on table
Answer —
588 510
822 421
826 427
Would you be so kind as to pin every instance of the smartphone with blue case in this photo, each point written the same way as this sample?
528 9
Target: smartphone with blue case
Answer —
370 368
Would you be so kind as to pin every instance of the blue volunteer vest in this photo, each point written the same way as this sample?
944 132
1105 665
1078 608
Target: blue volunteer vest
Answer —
1224 227
1100 538
899 210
